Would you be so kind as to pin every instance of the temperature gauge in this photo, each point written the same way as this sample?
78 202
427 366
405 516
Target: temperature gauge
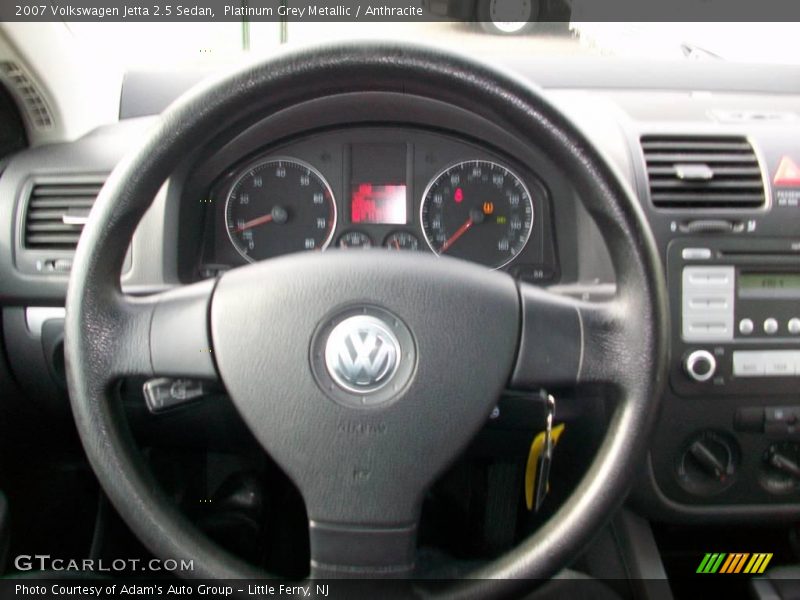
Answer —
355 239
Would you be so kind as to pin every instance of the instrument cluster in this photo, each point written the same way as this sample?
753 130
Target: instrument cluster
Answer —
390 188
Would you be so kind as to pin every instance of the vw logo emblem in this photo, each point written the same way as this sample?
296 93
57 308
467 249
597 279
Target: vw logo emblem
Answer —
362 354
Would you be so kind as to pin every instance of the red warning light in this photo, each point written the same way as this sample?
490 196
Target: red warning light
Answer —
788 173
459 195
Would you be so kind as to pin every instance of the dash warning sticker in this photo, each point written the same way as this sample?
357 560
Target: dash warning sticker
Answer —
786 183
788 174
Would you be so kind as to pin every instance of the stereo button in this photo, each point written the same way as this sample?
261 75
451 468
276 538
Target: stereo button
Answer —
746 326
700 365
707 304
748 364
794 326
709 278
779 363
770 326
696 253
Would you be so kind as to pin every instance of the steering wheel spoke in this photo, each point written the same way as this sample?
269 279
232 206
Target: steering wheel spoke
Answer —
340 550
165 334
566 341
180 339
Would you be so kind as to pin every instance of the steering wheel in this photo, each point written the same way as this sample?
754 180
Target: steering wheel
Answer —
340 362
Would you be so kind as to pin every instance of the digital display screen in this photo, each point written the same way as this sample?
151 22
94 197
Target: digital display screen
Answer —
378 179
382 204
769 284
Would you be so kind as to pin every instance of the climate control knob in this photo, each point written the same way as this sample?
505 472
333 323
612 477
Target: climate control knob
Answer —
708 463
781 470
700 365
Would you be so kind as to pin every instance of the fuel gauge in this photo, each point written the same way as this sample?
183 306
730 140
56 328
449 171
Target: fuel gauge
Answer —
401 240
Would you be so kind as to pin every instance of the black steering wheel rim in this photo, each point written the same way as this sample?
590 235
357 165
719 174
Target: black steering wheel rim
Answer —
100 324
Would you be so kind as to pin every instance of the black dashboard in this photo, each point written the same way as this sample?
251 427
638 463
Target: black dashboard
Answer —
396 188
712 159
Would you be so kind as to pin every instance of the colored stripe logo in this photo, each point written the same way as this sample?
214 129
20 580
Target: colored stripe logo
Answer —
736 562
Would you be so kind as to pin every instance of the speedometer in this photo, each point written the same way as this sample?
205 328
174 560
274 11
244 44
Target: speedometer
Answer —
477 210
277 206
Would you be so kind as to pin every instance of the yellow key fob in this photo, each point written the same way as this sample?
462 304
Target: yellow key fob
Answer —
533 461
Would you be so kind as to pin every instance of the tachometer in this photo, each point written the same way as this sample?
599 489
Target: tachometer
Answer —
477 210
277 206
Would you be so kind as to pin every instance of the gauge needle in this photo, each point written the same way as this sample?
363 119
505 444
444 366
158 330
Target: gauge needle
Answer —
452 239
396 244
255 222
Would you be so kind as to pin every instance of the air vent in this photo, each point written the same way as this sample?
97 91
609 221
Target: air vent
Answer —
32 99
703 172
57 211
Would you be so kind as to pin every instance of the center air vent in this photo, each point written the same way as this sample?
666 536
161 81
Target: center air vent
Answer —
57 211
703 172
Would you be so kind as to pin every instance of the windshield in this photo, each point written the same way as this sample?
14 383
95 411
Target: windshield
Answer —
149 44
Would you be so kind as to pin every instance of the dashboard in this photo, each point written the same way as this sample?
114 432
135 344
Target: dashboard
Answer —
711 151
398 189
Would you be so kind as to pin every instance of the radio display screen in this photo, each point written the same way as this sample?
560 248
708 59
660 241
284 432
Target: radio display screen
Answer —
769 285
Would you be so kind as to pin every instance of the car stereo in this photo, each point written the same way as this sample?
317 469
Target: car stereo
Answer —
736 315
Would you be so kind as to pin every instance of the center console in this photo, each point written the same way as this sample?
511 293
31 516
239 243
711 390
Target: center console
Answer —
727 220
